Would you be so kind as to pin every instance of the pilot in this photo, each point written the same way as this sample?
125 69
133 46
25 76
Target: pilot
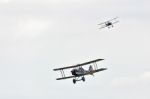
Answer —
81 69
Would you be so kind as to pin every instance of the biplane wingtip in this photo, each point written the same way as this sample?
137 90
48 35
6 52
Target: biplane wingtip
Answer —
101 59
55 69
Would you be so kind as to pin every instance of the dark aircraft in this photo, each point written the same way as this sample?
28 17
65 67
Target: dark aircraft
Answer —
78 72
108 23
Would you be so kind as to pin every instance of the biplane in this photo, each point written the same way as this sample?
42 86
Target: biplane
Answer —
108 23
78 72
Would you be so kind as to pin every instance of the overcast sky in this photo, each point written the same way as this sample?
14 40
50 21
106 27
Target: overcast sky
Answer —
37 36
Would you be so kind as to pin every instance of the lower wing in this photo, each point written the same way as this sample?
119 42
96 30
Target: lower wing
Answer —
95 71
87 73
65 77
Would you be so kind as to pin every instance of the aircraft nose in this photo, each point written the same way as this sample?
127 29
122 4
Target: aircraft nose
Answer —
73 72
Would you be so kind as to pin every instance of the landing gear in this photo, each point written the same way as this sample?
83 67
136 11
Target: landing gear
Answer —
78 79
74 81
83 79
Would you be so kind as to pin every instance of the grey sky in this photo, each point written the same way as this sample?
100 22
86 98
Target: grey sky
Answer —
37 36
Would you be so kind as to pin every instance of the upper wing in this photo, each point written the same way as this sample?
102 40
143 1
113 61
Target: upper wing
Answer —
108 21
101 23
113 19
78 64
115 22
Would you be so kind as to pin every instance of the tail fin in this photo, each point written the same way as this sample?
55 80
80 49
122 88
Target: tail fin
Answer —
91 69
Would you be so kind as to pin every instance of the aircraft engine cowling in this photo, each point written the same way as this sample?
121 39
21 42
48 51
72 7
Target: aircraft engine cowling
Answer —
73 72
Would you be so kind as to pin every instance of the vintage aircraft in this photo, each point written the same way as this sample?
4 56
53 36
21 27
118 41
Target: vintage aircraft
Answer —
78 72
109 23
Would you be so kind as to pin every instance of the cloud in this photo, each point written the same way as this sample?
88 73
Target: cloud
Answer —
145 77
31 27
4 1
142 80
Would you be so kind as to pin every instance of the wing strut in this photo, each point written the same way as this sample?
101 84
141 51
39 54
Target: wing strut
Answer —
62 73
95 65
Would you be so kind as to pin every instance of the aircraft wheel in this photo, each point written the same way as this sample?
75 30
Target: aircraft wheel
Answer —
74 81
83 79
